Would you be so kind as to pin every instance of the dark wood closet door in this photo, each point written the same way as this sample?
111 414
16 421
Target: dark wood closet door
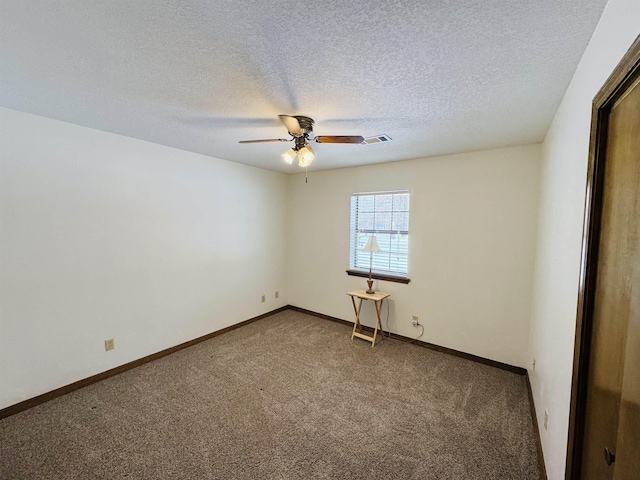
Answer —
612 425
627 127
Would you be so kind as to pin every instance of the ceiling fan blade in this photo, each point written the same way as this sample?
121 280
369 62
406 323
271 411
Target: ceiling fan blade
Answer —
292 124
339 139
265 141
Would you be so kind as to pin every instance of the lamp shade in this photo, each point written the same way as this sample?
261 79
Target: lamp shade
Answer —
289 156
305 156
372 245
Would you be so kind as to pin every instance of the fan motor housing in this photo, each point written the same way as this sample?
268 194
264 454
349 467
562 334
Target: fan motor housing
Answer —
300 141
306 123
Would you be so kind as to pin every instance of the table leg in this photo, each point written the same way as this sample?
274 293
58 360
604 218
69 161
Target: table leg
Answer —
375 330
357 312
378 312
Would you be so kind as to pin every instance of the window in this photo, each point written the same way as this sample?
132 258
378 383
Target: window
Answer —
386 216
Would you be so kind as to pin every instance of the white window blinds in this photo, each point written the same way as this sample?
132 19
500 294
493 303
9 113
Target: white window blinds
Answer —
385 215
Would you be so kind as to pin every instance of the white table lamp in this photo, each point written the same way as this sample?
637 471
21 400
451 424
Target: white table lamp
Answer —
371 247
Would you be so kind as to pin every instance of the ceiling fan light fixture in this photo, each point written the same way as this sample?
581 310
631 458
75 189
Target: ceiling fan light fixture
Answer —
301 130
289 156
306 156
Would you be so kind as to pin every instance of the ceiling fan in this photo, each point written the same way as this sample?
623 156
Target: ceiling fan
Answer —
301 130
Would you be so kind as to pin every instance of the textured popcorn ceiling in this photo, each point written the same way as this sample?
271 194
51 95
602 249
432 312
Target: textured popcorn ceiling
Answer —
437 76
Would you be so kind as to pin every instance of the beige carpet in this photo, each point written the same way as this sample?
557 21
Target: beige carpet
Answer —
287 397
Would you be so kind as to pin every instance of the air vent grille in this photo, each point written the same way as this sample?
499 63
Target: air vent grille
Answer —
377 139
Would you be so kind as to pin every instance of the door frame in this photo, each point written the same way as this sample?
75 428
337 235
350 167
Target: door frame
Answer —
627 71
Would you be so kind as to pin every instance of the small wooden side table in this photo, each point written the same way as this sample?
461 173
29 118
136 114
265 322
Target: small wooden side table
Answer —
377 298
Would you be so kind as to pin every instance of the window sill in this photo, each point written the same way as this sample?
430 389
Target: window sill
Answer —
379 276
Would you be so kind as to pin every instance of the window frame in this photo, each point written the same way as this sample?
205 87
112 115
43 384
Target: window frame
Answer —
375 274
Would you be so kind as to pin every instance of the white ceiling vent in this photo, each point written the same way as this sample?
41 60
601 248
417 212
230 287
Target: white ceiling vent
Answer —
377 139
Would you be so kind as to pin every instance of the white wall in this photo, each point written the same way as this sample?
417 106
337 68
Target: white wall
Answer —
471 247
104 236
563 183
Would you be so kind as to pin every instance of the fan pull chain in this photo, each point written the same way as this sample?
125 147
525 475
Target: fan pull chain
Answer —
306 179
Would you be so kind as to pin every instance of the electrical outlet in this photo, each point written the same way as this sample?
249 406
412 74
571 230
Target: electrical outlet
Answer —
277 294
534 365
546 418
109 345
414 321
264 298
